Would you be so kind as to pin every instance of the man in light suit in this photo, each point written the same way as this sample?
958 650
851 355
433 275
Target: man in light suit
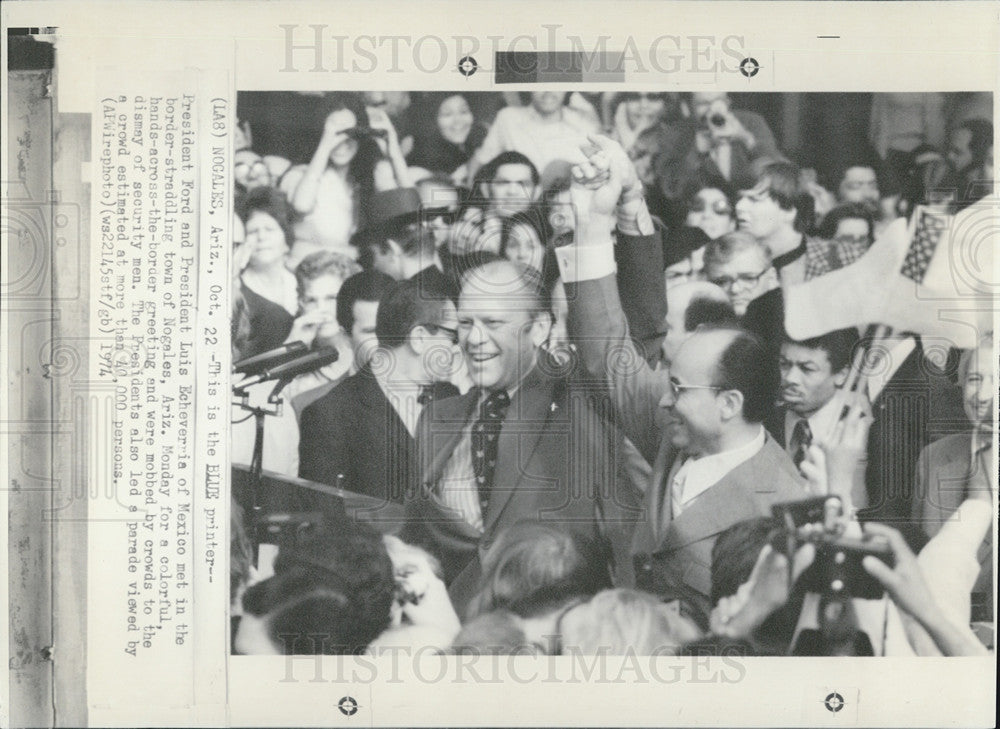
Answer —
713 462
525 443
959 466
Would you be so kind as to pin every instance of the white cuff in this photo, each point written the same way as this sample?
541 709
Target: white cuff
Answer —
586 263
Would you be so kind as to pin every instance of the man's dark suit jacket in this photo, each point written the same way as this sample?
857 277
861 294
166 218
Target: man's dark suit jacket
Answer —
354 430
558 458
558 445
918 405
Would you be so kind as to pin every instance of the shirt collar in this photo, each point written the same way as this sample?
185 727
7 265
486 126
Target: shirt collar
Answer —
820 422
779 262
705 472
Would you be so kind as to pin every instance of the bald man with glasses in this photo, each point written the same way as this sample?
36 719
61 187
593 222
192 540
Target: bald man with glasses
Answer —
702 429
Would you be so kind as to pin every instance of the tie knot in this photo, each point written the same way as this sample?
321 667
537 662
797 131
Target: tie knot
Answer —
426 394
495 406
802 433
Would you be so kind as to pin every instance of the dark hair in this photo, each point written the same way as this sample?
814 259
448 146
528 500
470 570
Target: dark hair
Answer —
330 593
670 99
489 170
525 97
735 553
787 190
846 211
269 201
839 346
981 140
365 286
703 180
703 310
406 305
413 238
324 263
750 367
537 222
361 169
866 157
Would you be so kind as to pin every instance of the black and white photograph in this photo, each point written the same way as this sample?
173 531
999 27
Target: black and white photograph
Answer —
574 375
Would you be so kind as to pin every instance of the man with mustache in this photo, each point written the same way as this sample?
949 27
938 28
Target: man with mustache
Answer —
813 371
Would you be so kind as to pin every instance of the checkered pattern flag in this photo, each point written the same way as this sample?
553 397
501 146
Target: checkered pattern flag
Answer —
926 236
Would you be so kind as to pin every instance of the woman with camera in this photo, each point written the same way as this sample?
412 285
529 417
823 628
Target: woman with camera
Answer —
358 154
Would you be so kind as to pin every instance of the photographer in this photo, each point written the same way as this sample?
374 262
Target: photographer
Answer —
713 141
358 153
828 585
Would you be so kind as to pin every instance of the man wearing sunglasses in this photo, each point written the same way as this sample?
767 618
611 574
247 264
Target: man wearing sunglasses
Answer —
360 436
713 462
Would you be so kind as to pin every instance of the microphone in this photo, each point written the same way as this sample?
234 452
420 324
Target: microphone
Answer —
271 358
288 370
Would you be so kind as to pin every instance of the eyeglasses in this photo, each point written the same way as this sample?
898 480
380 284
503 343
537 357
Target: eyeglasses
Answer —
452 333
676 388
719 207
256 167
431 215
744 279
523 185
635 96
853 240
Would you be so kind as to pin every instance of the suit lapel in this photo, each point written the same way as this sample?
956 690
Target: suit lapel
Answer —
442 425
527 420
710 513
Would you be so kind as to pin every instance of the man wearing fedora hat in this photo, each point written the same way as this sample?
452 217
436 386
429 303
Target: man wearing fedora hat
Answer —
398 243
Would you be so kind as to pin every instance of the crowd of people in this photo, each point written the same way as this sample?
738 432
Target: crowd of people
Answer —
562 367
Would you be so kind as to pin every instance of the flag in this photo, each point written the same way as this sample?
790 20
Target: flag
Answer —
934 277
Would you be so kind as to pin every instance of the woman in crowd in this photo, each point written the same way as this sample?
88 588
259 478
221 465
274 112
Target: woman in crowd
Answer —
850 230
710 207
267 287
358 154
634 112
455 135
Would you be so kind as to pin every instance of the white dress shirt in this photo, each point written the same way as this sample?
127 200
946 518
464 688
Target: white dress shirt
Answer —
821 422
697 475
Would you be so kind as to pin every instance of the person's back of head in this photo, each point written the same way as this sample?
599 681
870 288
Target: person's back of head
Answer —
786 188
324 263
734 555
409 304
622 621
496 633
331 592
748 366
365 286
708 310
533 565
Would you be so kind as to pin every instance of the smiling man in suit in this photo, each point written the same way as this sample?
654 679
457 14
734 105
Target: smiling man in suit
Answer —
359 436
524 443
713 462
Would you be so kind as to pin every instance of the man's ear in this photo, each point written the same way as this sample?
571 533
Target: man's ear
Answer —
840 377
732 404
790 215
541 327
416 340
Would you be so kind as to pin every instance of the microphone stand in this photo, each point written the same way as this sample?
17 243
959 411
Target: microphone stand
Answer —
274 407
